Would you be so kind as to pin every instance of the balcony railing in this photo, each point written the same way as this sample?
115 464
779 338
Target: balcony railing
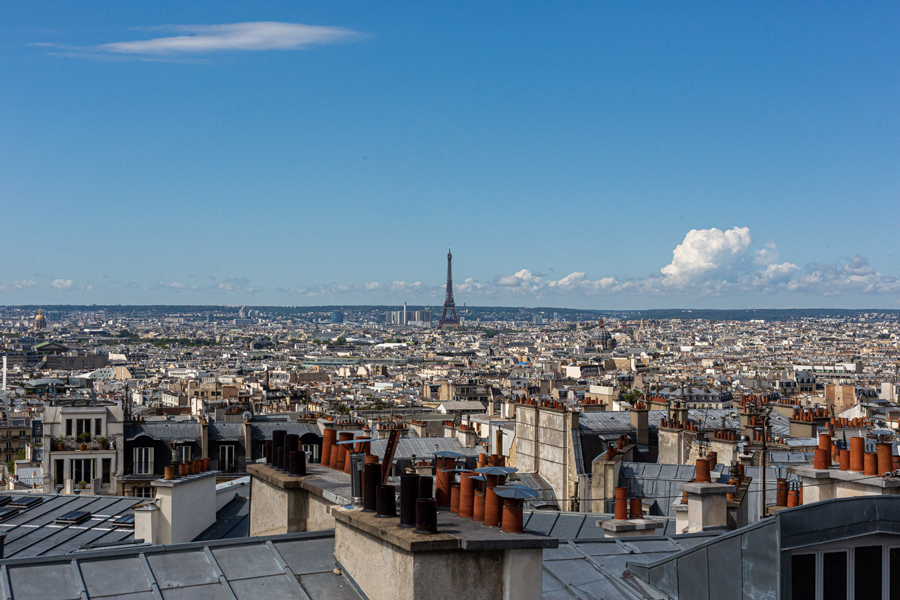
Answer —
71 444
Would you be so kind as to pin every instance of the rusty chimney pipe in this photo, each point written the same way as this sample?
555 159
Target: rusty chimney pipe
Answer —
871 464
885 453
845 460
857 450
820 459
621 510
466 495
635 509
702 471
493 505
781 492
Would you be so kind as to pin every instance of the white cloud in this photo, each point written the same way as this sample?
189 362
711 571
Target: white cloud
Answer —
705 253
371 286
202 40
62 284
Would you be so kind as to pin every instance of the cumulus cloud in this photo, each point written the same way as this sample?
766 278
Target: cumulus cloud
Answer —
62 284
202 40
706 253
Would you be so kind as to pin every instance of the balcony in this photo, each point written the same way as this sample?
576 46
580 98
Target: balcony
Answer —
72 445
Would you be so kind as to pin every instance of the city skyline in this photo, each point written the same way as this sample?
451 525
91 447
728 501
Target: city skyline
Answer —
622 157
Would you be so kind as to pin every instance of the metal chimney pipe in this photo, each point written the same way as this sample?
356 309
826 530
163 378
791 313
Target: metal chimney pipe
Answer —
269 460
386 502
426 516
409 494
371 480
291 444
426 486
278 442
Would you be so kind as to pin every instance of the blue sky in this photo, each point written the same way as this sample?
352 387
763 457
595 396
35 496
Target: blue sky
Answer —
598 155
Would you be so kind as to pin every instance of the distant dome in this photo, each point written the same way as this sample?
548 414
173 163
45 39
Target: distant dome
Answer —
39 321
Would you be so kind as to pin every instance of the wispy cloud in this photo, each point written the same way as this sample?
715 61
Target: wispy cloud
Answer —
202 40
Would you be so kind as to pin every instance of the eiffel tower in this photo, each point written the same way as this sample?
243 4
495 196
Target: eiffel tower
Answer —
448 315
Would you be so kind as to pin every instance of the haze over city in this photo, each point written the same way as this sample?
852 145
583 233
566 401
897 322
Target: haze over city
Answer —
607 155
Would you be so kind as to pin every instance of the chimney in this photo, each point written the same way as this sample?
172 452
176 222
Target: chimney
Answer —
706 501
182 510
462 559
641 423
628 519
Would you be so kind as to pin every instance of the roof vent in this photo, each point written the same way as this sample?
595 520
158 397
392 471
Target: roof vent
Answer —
6 513
25 502
124 522
74 517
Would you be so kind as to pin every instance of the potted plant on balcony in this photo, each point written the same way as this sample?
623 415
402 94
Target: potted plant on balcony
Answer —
82 485
104 443
84 439
60 444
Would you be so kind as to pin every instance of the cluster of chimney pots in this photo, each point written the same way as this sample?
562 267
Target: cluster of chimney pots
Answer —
191 467
473 495
855 458
704 468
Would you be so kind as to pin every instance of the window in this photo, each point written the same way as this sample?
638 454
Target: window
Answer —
82 470
226 459
60 471
184 453
894 569
68 427
143 491
82 426
867 572
97 426
8 446
312 451
143 461
848 573
834 576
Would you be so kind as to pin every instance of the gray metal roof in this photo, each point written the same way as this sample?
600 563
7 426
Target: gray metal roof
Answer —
226 432
34 531
169 431
747 562
709 418
595 568
659 482
232 521
424 447
297 566
263 430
